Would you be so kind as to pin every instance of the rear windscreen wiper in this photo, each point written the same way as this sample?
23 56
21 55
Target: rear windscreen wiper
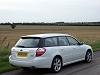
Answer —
20 46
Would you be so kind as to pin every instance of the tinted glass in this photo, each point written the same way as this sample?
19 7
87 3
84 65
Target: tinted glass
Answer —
51 42
72 41
63 41
28 42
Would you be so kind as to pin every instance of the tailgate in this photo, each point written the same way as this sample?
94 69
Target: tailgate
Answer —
23 54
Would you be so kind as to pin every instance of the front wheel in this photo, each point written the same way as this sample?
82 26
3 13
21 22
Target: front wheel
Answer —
88 57
56 64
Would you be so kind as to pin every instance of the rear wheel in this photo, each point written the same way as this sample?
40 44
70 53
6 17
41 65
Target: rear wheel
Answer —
56 64
88 57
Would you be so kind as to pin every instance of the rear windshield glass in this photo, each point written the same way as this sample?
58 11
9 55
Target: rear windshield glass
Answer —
27 42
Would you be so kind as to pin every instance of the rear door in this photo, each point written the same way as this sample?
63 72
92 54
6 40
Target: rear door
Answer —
65 50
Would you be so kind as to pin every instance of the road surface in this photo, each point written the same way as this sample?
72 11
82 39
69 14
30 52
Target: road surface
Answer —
79 68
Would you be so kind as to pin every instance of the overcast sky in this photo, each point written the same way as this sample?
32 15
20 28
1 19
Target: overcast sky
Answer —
49 10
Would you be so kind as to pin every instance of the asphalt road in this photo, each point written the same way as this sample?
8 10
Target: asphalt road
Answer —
79 68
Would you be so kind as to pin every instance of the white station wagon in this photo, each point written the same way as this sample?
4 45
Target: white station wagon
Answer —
50 50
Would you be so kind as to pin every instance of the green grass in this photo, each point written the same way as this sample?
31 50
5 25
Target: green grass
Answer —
4 61
95 44
5 67
96 47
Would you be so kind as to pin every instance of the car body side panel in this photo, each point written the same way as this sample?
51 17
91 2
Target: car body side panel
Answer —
66 53
78 52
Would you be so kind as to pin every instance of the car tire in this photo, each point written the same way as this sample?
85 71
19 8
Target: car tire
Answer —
56 65
88 57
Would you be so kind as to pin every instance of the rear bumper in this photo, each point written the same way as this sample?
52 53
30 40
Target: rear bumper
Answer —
37 62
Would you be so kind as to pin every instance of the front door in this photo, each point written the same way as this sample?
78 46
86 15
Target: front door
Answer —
78 50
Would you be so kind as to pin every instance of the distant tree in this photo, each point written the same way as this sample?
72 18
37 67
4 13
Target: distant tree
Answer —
13 26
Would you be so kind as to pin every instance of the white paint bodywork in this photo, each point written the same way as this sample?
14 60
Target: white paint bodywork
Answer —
69 54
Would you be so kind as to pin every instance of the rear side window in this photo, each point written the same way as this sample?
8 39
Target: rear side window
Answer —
28 42
63 41
52 41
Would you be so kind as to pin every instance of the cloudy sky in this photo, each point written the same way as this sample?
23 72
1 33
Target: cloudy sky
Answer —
49 10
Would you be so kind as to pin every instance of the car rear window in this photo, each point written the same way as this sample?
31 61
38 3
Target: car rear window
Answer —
28 42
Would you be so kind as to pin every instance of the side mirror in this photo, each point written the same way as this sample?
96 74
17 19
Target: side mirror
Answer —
81 43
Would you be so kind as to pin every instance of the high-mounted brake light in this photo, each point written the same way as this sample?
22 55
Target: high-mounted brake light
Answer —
40 52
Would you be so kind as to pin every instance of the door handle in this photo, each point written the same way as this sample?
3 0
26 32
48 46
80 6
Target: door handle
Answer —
74 48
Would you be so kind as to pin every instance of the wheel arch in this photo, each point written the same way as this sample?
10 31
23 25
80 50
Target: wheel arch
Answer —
88 48
59 57
90 51
88 56
53 68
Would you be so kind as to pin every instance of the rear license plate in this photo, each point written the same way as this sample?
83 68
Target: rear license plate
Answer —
22 54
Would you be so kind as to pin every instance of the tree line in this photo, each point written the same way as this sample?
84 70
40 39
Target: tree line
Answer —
56 23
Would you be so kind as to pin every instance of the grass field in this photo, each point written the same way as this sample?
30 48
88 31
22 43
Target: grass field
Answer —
8 37
4 64
88 34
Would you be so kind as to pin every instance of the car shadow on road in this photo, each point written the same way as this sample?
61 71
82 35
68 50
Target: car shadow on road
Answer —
33 72
63 71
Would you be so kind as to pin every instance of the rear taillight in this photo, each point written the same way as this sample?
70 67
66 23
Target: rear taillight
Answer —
40 52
